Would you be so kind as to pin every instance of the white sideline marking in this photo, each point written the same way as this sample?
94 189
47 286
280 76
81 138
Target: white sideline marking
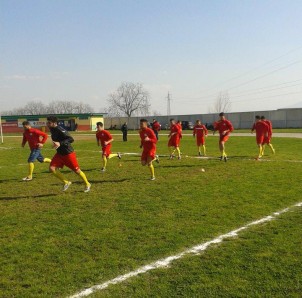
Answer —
162 263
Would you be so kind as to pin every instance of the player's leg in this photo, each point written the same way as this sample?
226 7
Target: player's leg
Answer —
171 151
104 164
178 152
271 147
34 153
203 146
54 166
150 166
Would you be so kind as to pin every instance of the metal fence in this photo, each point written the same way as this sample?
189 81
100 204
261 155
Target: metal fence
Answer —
283 118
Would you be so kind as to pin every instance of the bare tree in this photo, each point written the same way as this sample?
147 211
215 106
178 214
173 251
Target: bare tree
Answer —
34 108
222 103
130 98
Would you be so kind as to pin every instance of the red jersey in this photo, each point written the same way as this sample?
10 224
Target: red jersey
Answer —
103 136
270 127
223 126
261 128
156 126
200 131
150 144
33 137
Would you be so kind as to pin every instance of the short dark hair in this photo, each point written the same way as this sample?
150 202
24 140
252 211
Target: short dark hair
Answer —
172 119
100 124
221 114
143 120
52 119
257 117
25 123
262 117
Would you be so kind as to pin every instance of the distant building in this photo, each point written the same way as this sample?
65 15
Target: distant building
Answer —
71 122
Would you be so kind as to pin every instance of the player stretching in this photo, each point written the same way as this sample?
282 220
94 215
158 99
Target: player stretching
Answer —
35 138
148 143
200 131
224 128
262 130
104 139
65 155
267 140
174 138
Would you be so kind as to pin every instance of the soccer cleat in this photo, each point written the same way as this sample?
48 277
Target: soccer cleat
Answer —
225 159
152 178
87 188
221 158
66 186
119 155
199 153
179 157
171 157
157 158
27 179
103 169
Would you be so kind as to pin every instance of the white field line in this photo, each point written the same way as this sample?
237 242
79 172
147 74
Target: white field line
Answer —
195 250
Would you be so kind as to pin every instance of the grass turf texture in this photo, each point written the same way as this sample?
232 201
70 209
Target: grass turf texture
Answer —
54 244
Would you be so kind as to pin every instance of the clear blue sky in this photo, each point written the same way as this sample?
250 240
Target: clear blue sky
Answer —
194 49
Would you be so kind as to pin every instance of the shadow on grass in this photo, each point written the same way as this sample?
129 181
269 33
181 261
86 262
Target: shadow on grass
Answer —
26 197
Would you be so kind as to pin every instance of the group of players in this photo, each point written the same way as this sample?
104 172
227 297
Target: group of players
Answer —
66 156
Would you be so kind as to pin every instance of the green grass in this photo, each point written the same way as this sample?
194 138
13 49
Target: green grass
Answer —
54 244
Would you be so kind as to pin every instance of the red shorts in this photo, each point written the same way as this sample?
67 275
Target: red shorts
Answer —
260 139
106 150
224 138
267 140
148 154
174 141
200 141
69 160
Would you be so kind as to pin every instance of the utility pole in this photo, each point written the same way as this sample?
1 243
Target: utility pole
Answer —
169 105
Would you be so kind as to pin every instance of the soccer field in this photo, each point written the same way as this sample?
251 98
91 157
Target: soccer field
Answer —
56 244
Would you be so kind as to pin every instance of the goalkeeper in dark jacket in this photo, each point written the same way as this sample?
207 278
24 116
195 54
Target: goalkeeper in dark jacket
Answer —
65 155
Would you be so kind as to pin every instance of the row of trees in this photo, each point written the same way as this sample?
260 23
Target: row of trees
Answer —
55 107
129 99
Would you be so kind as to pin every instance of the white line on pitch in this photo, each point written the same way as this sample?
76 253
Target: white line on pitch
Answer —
191 251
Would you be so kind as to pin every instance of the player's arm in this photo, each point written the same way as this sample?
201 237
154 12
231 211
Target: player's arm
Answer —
24 140
65 138
205 130
253 128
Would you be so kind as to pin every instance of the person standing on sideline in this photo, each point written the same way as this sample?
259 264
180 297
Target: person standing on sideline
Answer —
262 130
124 130
200 131
224 128
104 139
36 139
156 127
174 138
65 155
148 143
267 140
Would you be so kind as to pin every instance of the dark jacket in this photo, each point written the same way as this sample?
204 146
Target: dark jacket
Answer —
59 134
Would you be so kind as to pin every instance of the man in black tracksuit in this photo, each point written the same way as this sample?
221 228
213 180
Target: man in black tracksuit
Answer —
65 155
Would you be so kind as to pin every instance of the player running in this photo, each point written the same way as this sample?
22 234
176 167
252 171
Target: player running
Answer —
224 128
174 138
262 130
36 139
65 155
104 139
200 131
148 143
267 140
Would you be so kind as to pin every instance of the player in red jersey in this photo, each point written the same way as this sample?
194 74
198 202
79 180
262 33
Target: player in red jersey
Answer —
267 140
36 139
174 138
262 130
148 143
224 128
104 139
200 131
156 127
